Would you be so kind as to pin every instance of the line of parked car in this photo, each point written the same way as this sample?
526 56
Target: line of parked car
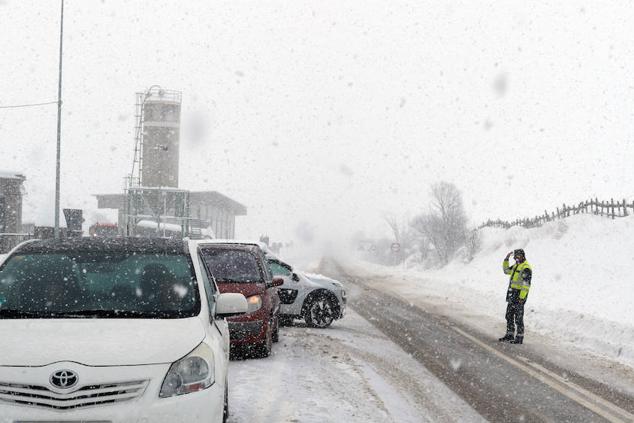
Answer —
141 330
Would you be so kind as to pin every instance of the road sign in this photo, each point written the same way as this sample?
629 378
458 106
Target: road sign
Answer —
395 247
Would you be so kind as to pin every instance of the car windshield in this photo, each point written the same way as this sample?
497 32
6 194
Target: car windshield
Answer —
89 284
229 265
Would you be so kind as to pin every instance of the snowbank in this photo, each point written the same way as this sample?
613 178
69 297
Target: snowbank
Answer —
582 291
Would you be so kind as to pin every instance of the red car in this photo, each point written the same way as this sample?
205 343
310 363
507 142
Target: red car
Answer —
241 268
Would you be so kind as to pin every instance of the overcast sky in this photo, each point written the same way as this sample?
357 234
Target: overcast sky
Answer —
330 112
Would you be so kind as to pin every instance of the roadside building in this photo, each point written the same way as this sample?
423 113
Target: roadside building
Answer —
145 211
152 203
11 191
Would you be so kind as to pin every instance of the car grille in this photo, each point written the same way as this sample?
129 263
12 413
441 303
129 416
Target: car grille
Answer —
85 396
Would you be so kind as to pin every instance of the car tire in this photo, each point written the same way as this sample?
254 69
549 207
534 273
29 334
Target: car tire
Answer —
263 350
276 334
285 320
320 312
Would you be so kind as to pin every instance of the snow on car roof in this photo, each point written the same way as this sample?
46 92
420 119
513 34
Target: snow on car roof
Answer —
123 244
229 241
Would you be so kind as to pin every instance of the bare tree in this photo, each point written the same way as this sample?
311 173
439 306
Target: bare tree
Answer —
445 225
393 223
427 235
401 233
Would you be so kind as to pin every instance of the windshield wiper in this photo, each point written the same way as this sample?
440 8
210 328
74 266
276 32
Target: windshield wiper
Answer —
22 314
97 313
121 314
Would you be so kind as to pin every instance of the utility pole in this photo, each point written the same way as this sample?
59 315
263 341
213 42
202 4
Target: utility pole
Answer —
59 123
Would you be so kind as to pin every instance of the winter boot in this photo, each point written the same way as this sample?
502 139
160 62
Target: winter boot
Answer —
506 338
518 340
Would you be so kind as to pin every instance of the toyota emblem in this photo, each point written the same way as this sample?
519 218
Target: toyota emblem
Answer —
64 379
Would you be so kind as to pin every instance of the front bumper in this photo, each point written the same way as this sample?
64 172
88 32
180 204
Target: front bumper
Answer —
204 406
342 304
247 333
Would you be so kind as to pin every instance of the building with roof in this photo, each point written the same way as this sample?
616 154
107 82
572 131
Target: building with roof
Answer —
197 213
152 203
11 191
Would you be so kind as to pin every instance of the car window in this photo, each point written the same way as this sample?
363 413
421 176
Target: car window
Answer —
268 275
232 265
123 284
278 270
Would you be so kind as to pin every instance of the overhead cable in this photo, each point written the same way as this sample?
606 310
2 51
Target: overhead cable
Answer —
17 106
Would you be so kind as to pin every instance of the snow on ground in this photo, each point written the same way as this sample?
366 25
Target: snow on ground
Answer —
349 372
582 290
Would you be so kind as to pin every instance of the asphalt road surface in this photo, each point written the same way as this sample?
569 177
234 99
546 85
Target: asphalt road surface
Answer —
502 382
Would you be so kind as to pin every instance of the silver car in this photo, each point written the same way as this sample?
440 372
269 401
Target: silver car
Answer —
317 299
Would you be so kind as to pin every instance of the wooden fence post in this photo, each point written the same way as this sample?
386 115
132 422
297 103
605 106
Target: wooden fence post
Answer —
612 204
624 208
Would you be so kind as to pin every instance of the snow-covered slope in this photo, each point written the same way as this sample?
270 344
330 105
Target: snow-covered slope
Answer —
583 282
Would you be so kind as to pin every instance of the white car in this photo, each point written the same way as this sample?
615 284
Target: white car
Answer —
317 299
112 330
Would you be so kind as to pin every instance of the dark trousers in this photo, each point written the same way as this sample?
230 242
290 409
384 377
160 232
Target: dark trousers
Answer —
515 318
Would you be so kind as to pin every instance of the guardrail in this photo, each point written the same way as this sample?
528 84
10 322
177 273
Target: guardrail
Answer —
611 209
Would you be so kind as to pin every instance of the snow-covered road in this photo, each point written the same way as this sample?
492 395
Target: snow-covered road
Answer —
489 375
347 373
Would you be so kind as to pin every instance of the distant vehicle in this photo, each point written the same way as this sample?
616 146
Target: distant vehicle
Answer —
241 267
104 230
317 299
112 329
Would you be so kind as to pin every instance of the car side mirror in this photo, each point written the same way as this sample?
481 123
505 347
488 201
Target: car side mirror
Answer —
277 281
295 277
230 304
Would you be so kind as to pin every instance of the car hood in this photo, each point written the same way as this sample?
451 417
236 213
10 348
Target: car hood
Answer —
323 281
97 342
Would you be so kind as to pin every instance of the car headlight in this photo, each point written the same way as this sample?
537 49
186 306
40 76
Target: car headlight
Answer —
192 373
254 303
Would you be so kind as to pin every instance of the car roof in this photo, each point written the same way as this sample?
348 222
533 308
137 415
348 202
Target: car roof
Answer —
96 244
230 243
226 241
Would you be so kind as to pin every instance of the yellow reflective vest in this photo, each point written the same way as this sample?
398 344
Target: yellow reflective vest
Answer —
521 275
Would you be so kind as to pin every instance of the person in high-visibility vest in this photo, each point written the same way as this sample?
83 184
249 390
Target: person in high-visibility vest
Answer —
519 285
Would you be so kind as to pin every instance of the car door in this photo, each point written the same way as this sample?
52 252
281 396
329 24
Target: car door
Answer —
268 279
287 292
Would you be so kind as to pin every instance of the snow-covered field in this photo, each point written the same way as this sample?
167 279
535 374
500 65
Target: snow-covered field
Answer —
349 372
582 291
